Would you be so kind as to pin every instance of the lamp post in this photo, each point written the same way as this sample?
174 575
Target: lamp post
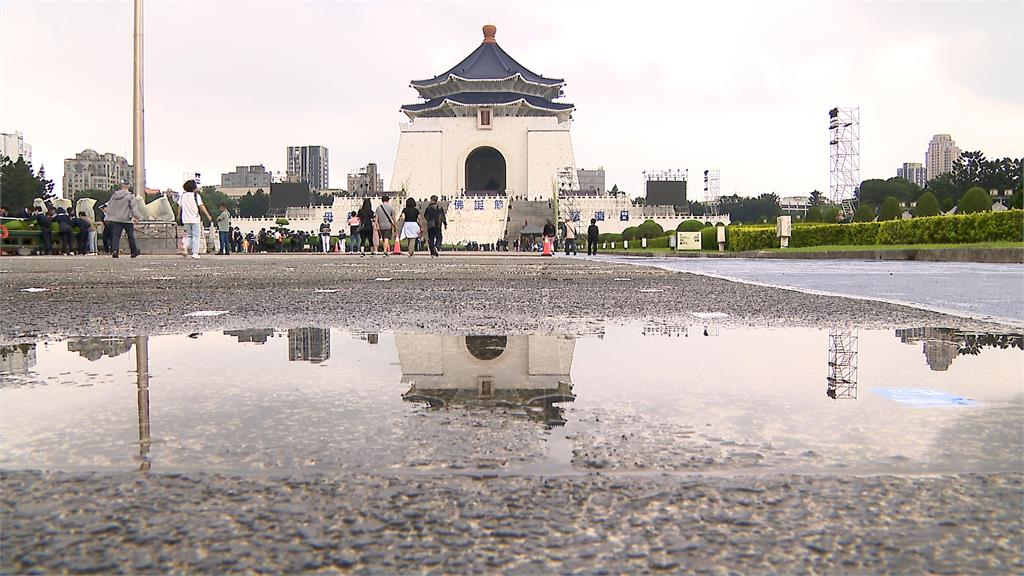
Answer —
138 150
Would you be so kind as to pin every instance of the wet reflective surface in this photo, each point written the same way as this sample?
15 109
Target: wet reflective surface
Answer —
635 399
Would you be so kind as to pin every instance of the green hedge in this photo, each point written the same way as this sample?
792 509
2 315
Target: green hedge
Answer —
743 238
1005 226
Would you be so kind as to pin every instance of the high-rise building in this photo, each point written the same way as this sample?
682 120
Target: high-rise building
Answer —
13 146
942 153
90 170
309 345
246 177
591 180
913 172
365 179
308 164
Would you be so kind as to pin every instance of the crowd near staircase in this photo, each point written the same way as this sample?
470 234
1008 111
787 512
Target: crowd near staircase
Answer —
535 213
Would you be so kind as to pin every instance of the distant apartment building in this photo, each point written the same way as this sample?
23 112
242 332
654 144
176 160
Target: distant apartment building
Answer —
365 179
913 172
591 180
13 146
308 164
246 177
90 170
941 155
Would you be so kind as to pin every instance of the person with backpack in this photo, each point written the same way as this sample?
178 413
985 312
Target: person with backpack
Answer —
190 205
386 222
42 220
436 218
570 237
354 229
84 231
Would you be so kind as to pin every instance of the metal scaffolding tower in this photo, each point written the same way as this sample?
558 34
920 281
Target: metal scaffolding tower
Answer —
842 364
568 204
844 156
712 192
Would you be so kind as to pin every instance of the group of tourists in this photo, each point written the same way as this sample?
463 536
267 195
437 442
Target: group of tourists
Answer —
369 231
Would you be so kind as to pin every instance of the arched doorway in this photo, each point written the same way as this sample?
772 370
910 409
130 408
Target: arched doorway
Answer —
485 170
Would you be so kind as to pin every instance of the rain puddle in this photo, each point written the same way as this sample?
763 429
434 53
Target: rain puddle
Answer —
630 399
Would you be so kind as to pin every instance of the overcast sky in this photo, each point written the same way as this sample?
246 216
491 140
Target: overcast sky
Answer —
741 87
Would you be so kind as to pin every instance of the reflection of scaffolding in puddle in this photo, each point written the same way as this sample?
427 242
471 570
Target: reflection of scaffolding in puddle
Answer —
842 364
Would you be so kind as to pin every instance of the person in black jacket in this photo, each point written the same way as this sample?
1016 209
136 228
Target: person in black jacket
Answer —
43 221
436 218
84 228
592 235
64 229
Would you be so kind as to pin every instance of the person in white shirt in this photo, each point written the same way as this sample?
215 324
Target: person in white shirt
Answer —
190 205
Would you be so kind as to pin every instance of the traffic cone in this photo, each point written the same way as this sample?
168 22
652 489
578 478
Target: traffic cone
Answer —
397 249
547 248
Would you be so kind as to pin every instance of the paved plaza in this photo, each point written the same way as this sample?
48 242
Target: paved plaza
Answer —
639 488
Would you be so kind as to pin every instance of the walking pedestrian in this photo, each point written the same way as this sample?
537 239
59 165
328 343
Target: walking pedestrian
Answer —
570 237
436 218
190 205
592 235
366 219
549 233
386 222
410 225
122 214
224 230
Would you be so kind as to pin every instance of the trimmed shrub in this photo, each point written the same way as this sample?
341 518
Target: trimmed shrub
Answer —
864 213
743 238
690 226
649 229
976 199
629 233
927 205
709 238
947 204
1017 200
856 234
281 221
890 210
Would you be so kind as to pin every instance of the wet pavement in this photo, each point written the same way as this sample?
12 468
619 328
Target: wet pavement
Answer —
985 291
381 416
315 400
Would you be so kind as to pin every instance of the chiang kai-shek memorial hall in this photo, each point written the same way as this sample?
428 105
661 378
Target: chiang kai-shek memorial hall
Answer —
489 126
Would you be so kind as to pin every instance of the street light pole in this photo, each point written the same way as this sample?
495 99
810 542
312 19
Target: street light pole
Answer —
138 150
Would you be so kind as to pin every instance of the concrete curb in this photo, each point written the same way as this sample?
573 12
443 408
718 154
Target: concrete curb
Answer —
982 255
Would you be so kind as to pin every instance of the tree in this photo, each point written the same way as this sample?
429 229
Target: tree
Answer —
212 198
639 201
947 204
19 185
816 198
814 214
1017 200
890 210
875 191
864 213
47 184
615 190
975 199
254 205
927 205
943 188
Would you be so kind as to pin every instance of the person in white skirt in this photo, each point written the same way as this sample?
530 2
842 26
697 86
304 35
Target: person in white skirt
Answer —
410 224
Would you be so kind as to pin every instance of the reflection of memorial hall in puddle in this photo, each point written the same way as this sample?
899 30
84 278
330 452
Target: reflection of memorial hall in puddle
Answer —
532 371
487 126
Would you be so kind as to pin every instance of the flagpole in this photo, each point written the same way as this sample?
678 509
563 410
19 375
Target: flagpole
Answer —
138 149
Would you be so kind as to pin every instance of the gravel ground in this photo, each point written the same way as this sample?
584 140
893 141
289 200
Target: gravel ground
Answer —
595 524
605 521
149 295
